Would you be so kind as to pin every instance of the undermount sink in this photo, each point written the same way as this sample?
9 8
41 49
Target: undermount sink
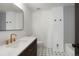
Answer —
15 44
18 43
12 45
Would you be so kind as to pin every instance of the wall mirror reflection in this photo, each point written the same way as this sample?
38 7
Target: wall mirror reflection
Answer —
11 17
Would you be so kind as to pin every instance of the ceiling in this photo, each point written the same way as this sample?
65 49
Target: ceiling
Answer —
37 6
31 6
8 7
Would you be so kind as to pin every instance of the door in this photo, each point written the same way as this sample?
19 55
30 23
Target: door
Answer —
77 29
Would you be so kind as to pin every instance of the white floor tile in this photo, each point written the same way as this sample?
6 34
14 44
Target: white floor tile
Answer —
47 52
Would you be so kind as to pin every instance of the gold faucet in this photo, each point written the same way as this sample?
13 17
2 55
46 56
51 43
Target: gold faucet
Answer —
12 37
7 42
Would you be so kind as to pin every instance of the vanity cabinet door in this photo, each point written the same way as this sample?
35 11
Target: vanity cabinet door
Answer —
31 50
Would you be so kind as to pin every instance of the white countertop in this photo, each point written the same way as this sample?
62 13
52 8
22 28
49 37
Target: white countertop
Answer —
17 47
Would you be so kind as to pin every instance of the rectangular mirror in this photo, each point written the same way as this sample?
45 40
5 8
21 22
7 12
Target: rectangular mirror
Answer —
11 20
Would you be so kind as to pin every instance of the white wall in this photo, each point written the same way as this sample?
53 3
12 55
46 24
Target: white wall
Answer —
27 17
69 24
40 25
27 26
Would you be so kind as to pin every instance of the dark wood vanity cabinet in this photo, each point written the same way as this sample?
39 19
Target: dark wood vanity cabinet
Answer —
31 50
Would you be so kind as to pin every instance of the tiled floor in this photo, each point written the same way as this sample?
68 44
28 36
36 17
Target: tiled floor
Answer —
48 52
45 52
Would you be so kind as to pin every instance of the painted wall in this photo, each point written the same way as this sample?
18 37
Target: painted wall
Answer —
27 31
40 25
69 24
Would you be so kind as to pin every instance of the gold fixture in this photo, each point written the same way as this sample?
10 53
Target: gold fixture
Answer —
11 39
14 37
7 42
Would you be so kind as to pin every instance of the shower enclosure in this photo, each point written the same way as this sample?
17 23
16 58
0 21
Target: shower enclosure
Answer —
56 31
54 28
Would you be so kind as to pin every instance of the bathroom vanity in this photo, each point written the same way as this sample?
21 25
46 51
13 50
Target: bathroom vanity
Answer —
31 50
26 46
